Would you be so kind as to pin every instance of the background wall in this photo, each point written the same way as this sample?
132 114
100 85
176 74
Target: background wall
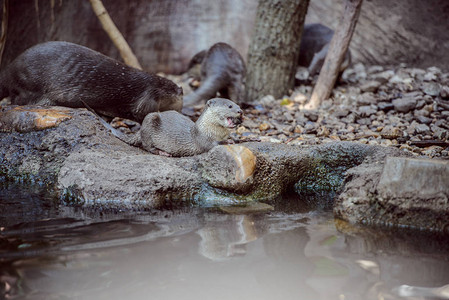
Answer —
166 34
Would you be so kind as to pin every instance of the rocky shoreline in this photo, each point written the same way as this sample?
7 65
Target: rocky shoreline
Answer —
386 167
401 107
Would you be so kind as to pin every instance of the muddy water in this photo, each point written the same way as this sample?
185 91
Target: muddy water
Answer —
297 251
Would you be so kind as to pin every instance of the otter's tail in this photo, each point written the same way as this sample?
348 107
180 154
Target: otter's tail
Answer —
133 140
206 91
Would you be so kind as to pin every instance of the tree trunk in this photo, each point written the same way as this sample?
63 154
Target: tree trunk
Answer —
336 54
274 50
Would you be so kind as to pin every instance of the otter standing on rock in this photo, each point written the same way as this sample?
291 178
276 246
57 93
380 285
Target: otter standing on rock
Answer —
222 70
66 74
174 134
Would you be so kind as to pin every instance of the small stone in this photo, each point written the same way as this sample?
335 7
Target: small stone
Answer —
386 143
366 111
341 112
298 129
366 99
323 131
288 116
370 86
423 120
422 128
431 88
404 104
430 77
264 126
444 92
310 128
383 77
432 151
312 115
241 130
385 106
390 132
267 100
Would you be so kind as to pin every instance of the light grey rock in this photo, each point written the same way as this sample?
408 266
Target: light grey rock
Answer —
404 104
431 88
414 178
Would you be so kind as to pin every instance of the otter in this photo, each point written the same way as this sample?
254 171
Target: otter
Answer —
173 134
313 49
221 70
67 74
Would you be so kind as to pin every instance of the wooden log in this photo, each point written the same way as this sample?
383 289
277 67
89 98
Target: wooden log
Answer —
336 54
117 38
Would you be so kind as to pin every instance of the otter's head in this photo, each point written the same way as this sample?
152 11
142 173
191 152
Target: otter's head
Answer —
224 112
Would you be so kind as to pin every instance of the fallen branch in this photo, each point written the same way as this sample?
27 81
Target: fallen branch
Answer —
336 54
117 38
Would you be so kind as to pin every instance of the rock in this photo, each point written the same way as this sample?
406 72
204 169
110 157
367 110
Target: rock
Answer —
267 100
382 77
264 126
431 88
385 106
366 99
404 192
415 180
423 119
229 167
390 132
432 151
366 111
354 74
370 86
444 92
312 115
341 112
404 104
422 129
31 118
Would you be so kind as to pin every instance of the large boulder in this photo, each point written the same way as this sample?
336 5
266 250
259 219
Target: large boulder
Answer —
404 192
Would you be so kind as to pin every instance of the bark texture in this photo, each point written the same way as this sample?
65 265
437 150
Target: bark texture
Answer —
336 54
274 50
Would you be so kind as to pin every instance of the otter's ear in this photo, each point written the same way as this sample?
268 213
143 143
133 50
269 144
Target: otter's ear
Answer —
210 102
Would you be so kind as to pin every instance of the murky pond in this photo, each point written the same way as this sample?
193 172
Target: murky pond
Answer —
297 251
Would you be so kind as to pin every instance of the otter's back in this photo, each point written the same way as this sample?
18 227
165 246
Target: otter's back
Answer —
169 131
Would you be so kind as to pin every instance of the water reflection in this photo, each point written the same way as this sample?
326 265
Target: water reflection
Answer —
207 254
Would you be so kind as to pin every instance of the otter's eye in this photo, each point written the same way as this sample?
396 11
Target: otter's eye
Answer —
230 106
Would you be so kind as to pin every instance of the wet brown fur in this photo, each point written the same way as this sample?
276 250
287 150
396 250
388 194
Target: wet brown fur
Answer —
65 74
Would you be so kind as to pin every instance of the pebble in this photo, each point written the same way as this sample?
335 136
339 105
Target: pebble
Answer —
404 104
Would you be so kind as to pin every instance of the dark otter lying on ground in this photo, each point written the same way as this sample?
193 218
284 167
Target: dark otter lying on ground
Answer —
222 70
65 74
314 45
172 133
